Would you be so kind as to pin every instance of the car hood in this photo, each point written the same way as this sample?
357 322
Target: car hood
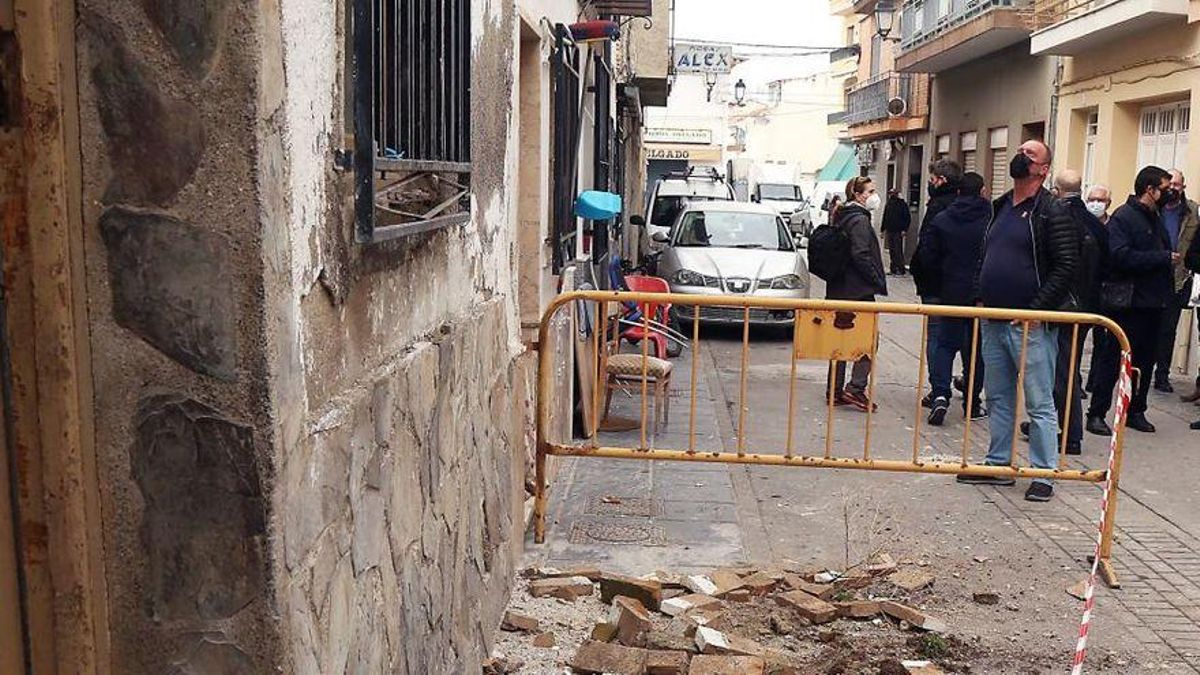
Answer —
738 262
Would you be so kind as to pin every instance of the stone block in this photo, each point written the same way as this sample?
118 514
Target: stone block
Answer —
858 609
700 584
726 581
911 580
632 619
759 583
649 593
814 609
154 140
604 632
171 287
669 639
193 29
518 623
726 665
204 518
913 617
604 657
659 662
796 583
686 603
567 588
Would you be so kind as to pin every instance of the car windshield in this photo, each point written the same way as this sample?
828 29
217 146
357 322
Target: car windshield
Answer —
666 209
779 191
729 229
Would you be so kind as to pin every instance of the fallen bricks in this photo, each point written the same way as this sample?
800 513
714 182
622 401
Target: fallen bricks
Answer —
567 588
646 591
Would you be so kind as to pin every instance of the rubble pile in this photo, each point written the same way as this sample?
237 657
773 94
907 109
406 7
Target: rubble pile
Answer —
752 620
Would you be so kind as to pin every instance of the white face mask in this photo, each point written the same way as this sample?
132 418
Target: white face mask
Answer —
873 202
1096 208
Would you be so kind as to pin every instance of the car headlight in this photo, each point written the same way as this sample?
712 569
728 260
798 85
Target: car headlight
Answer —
691 278
787 282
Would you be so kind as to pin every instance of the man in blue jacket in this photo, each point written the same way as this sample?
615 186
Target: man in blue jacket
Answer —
1140 282
953 241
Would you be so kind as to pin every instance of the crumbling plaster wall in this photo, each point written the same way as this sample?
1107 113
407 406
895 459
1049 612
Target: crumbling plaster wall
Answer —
310 450
402 416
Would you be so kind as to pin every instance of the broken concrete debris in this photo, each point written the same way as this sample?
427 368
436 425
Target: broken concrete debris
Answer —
812 608
544 640
665 662
632 619
911 581
567 588
605 657
727 665
698 583
686 603
986 597
1078 590
913 617
604 632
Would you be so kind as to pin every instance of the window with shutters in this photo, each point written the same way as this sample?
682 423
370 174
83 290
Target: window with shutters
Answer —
998 171
412 117
1163 135
943 146
968 142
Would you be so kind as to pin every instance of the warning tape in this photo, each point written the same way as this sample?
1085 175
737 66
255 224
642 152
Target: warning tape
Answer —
1124 391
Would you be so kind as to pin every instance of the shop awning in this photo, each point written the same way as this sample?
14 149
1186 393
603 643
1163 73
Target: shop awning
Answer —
842 164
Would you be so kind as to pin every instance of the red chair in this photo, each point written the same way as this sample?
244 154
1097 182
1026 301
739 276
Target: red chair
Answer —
657 312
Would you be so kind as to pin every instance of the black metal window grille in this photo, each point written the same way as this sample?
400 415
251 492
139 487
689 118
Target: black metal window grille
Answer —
566 121
412 116
602 143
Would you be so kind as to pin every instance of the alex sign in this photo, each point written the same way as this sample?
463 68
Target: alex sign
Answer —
693 58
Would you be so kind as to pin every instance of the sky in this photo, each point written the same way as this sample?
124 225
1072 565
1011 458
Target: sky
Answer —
775 22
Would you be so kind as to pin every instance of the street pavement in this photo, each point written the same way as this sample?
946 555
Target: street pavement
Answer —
638 516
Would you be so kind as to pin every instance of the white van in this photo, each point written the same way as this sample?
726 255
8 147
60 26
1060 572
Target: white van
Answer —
675 189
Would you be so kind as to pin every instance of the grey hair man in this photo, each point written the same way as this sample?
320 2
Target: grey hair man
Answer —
1099 200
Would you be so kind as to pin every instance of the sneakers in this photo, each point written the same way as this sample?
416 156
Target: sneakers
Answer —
1164 386
1097 425
1002 481
959 384
937 414
1195 426
1074 448
978 412
1039 492
927 401
859 401
1138 422
1025 430
840 399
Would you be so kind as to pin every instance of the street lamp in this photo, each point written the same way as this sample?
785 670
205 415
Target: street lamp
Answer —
710 81
739 92
885 17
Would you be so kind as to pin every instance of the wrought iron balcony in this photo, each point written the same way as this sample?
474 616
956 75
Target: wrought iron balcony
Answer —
887 96
1073 27
940 34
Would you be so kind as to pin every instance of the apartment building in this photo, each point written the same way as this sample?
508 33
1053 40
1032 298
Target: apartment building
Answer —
989 94
1130 79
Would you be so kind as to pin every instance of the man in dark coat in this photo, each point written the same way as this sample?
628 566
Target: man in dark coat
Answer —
863 280
944 177
954 239
896 220
1030 253
1141 271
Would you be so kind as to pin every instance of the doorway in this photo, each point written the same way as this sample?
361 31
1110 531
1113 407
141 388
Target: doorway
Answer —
916 194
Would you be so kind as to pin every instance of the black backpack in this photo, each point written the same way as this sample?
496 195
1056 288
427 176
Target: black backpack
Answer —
828 252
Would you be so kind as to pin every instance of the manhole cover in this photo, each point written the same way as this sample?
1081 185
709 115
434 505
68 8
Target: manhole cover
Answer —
590 531
616 505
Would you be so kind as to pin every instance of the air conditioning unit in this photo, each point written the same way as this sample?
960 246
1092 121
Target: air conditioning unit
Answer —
897 106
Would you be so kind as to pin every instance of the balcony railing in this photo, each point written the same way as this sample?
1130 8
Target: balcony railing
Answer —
838 117
924 20
1046 13
847 52
868 102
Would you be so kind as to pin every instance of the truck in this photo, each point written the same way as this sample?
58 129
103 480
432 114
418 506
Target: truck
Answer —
776 185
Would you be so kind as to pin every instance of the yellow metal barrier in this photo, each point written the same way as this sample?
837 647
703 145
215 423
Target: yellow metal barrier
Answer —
831 330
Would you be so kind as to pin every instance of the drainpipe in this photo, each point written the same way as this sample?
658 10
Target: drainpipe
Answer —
1052 123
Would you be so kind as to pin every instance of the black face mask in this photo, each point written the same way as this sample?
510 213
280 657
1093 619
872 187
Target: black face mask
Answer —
1019 167
1165 197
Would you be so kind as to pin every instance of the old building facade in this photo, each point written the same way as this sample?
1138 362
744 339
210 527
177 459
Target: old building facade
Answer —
267 367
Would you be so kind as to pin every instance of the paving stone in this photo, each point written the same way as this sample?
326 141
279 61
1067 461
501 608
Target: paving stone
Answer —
604 657
649 593
814 609
567 588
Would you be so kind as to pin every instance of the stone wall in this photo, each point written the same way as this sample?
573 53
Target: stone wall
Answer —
311 451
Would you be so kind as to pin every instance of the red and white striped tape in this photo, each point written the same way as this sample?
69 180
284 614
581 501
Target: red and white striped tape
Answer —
1124 392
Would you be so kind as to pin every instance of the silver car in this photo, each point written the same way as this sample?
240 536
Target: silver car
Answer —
733 248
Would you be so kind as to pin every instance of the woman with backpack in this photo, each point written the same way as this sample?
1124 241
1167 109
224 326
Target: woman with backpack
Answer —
861 278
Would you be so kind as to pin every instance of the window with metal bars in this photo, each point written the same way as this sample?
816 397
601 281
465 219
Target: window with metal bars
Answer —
602 154
412 115
566 121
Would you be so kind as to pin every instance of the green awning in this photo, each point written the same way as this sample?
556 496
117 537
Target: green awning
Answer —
842 164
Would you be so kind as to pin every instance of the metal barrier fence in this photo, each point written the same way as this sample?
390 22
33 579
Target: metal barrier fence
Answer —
823 330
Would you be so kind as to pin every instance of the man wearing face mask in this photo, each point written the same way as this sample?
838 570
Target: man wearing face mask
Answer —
1030 252
1099 199
863 280
945 175
1179 218
1140 281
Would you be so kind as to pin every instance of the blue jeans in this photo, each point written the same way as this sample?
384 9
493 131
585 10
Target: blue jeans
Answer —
931 338
954 338
1001 361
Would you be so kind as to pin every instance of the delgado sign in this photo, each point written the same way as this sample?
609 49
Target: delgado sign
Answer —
693 58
